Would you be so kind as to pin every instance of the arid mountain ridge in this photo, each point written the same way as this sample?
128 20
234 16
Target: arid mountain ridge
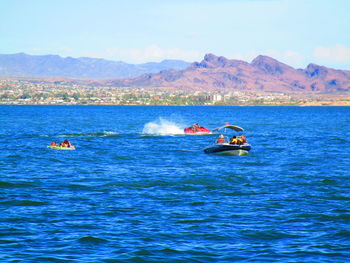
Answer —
54 66
213 73
262 74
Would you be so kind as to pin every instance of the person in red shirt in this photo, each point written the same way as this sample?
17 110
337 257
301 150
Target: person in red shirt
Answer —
67 143
221 139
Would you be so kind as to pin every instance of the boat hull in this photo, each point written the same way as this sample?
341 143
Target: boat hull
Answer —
228 149
198 131
62 148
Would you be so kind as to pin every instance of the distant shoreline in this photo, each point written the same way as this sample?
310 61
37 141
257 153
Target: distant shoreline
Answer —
246 105
18 92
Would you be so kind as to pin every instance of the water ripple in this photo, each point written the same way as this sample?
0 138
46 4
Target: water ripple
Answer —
124 196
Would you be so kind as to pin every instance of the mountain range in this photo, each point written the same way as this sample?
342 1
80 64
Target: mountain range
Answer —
212 73
23 65
263 73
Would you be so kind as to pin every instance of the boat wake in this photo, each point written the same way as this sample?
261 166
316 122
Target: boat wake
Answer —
162 127
91 134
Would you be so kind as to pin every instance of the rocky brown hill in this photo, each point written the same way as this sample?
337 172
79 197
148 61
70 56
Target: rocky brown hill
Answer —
263 74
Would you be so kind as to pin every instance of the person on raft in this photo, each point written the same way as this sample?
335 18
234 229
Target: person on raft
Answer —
65 143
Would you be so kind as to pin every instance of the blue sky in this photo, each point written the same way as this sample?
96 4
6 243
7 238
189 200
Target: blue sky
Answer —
293 31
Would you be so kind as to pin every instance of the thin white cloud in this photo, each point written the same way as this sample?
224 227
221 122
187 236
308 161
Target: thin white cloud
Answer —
290 57
156 53
334 54
151 53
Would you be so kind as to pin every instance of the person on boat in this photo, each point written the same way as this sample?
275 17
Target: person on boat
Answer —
221 139
53 144
195 127
233 140
239 141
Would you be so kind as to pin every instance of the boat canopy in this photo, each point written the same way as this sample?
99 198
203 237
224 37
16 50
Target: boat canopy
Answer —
232 127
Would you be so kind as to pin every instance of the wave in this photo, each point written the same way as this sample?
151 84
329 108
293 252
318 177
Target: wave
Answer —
91 134
162 127
4 184
24 136
24 203
92 240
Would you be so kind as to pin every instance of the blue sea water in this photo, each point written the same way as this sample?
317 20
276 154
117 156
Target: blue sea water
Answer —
135 190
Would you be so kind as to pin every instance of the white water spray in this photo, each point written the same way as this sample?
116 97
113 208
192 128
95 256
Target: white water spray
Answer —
162 127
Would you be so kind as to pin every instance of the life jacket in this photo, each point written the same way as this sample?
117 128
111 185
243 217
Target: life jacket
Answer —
239 141
233 141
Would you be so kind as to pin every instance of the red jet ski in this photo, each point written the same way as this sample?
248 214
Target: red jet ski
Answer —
196 129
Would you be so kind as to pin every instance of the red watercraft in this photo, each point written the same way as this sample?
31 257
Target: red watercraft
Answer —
196 129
